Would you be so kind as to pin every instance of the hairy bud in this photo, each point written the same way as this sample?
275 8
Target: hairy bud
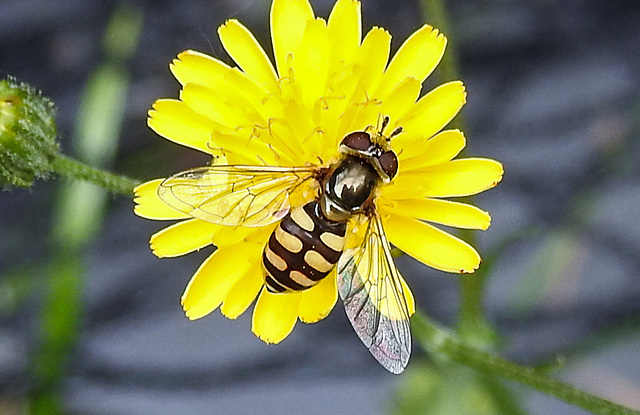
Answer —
27 134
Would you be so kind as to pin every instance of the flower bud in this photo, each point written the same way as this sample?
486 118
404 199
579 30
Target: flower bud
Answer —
27 134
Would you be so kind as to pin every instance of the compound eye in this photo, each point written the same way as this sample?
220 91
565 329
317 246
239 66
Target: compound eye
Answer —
359 141
389 163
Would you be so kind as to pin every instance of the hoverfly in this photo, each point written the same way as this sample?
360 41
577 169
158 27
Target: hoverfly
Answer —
309 241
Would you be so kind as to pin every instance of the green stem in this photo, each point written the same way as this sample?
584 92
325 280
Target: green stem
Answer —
439 341
472 325
58 334
68 167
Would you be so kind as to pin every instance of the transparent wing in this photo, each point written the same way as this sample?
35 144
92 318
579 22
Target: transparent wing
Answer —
234 195
376 298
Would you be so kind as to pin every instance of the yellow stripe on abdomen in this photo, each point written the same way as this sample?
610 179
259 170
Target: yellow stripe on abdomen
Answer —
303 220
317 261
289 242
333 241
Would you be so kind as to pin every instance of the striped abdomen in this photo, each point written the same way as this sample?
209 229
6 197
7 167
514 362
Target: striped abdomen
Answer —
302 250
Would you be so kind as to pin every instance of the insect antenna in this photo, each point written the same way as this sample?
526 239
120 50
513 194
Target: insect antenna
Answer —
385 122
383 125
395 132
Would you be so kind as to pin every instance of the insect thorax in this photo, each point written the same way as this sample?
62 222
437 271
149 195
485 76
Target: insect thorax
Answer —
347 188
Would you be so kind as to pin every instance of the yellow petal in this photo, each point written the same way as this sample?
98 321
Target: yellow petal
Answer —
433 111
215 105
345 32
243 293
408 296
216 276
182 238
317 302
459 215
416 154
288 21
275 316
240 134
245 50
352 86
460 177
175 121
400 100
302 128
372 59
430 245
149 205
311 63
261 235
248 147
280 135
231 235
417 57
195 67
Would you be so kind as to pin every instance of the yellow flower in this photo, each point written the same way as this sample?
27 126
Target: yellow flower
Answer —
327 82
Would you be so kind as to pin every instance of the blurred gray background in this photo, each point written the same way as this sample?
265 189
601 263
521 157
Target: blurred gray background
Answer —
554 94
